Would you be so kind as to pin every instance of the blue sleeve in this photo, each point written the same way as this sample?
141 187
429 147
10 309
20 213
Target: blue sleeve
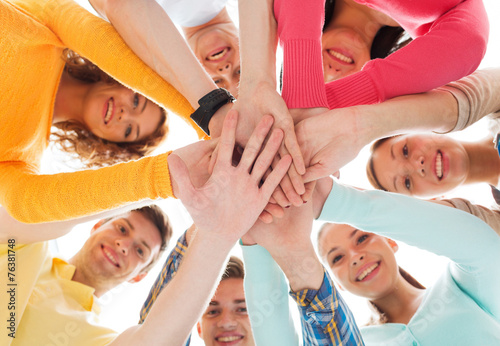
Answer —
325 317
470 243
267 299
168 271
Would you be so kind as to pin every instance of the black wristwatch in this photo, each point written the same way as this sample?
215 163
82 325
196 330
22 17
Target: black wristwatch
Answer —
209 104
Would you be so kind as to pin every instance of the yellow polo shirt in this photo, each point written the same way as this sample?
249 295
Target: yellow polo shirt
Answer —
41 305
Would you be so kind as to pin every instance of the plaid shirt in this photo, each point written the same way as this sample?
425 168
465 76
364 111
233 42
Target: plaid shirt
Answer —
168 271
325 317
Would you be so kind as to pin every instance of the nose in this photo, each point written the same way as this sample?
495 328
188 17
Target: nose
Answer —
419 165
358 259
225 69
227 321
335 71
123 114
123 245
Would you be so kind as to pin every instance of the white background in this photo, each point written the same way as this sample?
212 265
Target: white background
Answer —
121 306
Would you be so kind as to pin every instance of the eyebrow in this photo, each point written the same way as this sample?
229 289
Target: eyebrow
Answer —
145 103
240 301
335 248
138 131
394 158
143 242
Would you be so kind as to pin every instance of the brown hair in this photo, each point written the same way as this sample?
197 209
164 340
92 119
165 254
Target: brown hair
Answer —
370 171
158 218
234 269
79 142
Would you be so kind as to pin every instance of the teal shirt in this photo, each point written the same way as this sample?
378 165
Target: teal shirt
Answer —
463 307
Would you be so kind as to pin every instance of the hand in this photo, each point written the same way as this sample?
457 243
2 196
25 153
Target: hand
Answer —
196 157
259 99
329 141
230 201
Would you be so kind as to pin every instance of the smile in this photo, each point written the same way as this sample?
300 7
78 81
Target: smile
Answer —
110 108
339 56
367 271
110 256
439 165
219 54
226 339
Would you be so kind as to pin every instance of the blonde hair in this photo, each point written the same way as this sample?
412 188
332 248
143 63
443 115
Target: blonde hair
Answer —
74 139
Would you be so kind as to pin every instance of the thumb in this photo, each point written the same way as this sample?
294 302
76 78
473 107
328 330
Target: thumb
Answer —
182 187
315 172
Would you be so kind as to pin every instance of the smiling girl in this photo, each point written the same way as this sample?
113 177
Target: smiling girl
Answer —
45 84
462 307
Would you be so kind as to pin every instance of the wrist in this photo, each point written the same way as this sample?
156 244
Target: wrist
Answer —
215 124
302 269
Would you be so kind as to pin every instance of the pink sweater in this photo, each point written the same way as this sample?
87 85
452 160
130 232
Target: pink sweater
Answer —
449 41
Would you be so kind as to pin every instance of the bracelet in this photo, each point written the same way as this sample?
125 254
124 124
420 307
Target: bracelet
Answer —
209 104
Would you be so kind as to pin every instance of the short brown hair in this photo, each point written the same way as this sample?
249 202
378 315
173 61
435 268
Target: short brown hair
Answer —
234 269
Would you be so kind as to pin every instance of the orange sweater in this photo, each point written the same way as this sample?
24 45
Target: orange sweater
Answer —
33 35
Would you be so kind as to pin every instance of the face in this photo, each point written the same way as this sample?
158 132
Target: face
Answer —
118 250
217 49
344 52
117 114
362 263
421 165
226 322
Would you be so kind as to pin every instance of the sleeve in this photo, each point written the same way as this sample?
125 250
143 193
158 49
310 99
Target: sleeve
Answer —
469 242
453 48
300 26
267 300
167 273
97 40
31 197
477 95
325 317
491 217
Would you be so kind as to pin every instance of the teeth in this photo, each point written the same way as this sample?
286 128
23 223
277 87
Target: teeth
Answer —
217 55
228 338
439 165
367 272
109 112
341 56
110 256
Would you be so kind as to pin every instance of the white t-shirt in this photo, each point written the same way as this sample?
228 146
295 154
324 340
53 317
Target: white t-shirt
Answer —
192 12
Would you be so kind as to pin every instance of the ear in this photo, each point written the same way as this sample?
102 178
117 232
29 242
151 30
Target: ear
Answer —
198 328
394 246
97 225
138 278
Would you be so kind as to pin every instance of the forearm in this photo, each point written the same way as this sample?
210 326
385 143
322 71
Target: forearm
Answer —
301 267
266 294
189 292
258 41
32 233
477 95
149 32
436 110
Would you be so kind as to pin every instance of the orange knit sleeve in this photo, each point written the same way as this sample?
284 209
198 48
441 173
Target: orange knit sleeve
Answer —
97 40
31 198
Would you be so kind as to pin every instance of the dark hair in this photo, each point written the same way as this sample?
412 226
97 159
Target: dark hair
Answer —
370 170
386 41
234 269
81 143
158 218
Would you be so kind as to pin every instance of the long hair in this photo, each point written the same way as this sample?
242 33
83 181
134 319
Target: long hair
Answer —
82 144
370 170
386 41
